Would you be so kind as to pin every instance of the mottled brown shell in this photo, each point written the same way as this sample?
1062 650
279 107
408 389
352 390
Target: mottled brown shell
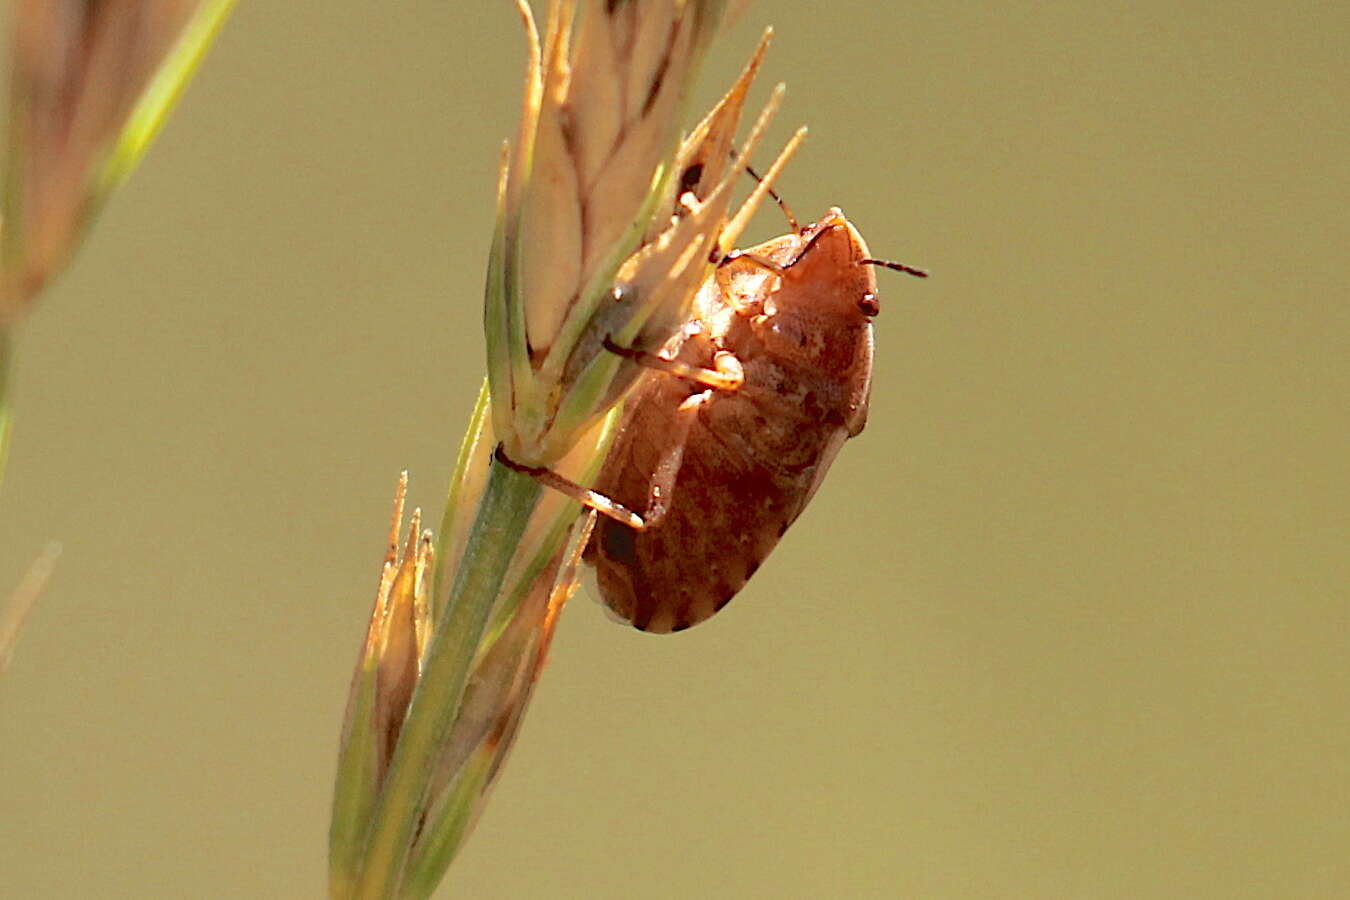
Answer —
752 457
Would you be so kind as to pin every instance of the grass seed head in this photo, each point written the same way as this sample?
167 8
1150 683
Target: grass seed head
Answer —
607 222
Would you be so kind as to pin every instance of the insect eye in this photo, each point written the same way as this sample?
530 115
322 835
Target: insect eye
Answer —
868 304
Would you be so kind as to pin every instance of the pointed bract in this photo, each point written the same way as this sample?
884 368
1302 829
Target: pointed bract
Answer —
386 675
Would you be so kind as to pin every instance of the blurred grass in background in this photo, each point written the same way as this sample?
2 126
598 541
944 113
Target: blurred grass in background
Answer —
89 87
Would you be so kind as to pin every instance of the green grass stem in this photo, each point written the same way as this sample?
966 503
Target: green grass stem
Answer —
508 501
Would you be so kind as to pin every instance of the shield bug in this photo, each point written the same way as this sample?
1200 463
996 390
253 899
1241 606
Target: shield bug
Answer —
724 450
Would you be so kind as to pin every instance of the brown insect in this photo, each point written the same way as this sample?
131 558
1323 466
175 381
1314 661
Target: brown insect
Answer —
770 377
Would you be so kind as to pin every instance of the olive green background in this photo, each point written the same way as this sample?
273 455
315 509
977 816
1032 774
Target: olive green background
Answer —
1070 619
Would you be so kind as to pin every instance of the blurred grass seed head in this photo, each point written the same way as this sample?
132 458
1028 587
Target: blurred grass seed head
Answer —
90 85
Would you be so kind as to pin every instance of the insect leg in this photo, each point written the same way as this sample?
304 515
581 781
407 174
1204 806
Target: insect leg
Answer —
726 374
660 492
568 488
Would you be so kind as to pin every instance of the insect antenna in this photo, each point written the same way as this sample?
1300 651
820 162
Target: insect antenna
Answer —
762 261
782 204
894 266
778 269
